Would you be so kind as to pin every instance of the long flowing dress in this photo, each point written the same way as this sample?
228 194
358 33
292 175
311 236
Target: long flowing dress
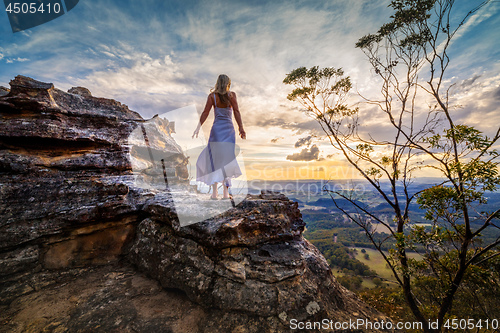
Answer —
217 162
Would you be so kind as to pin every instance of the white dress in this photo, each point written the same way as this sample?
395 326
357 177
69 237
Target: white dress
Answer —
217 162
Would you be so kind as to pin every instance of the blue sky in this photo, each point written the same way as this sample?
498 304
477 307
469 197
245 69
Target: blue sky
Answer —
157 56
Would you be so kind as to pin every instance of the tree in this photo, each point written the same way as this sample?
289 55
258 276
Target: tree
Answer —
377 281
478 295
410 57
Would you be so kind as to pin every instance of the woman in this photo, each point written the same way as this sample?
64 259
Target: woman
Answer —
217 162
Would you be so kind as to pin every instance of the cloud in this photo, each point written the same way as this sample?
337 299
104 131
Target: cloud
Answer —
469 82
276 139
119 49
306 154
144 75
479 105
305 141
299 126
12 60
496 94
157 56
475 19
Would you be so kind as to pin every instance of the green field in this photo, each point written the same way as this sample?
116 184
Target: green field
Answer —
377 263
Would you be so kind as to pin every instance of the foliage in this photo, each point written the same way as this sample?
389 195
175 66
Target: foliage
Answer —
319 227
352 283
478 295
389 301
378 282
341 257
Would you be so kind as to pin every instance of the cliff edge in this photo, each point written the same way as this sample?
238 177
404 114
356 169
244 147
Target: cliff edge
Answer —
83 248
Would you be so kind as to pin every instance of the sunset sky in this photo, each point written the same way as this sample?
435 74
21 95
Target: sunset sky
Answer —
157 56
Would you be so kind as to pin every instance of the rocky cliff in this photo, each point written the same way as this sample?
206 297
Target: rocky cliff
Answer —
83 248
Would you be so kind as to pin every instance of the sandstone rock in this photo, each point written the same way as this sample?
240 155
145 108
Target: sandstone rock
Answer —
245 268
65 176
151 142
82 91
4 91
256 221
110 298
19 259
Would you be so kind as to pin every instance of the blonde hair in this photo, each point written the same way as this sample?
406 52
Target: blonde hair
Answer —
222 88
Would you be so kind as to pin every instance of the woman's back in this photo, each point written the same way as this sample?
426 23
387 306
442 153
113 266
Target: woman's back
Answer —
222 104
217 162
223 111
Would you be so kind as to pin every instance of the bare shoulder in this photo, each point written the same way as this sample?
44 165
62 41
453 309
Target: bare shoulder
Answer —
210 97
231 94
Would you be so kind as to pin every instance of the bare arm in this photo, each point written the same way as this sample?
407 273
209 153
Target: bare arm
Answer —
237 114
204 114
